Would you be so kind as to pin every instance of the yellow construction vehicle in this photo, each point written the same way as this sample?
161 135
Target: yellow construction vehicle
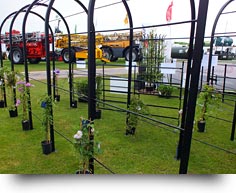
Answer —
79 47
117 45
112 46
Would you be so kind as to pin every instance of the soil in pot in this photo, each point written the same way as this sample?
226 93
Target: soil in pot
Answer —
46 147
201 126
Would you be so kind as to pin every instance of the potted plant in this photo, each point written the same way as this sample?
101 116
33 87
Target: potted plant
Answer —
136 107
24 90
153 56
56 74
98 96
2 87
165 90
11 79
84 145
207 98
82 90
47 121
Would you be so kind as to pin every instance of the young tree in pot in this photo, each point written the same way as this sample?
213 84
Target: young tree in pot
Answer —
208 97
84 145
47 121
24 90
136 107
11 79
153 56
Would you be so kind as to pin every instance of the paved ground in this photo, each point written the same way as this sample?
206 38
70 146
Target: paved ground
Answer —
219 71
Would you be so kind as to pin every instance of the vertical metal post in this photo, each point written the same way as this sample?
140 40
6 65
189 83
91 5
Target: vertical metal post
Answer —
224 82
201 80
195 71
186 91
233 124
48 68
212 75
91 72
26 63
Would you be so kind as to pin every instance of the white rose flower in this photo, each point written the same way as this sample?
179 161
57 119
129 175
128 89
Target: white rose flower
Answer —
78 135
92 130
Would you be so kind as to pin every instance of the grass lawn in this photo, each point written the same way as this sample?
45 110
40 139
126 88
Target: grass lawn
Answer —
150 151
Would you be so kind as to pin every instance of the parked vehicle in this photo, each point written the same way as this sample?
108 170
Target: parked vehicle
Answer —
35 45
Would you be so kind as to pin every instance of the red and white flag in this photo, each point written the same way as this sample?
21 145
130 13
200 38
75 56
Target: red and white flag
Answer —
169 12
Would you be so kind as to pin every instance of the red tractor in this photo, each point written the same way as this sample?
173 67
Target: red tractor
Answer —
35 45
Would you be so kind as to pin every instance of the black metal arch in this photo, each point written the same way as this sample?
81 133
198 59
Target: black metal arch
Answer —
25 54
1 59
24 51
212 38
92 62
50 7
189 64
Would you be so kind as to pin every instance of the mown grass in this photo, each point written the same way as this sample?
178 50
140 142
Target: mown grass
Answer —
150 151
60 65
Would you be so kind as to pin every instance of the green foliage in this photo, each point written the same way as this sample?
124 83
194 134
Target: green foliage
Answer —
136 107
165 90
153 56
11 78
82 87
84 143
2 82
208 97
24 96
47 118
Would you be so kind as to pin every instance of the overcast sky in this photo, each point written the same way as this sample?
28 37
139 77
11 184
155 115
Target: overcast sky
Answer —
148 12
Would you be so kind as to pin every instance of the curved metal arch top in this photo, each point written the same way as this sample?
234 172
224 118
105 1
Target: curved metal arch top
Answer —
213 36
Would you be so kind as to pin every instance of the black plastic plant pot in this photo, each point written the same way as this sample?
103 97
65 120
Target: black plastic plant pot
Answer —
13 113
83 172
57 98
46 147
139 83
74 104
25 125
98 114
130 131
201 126
2 104
149 88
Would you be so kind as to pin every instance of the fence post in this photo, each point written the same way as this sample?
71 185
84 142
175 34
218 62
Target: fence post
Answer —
233 124
224 82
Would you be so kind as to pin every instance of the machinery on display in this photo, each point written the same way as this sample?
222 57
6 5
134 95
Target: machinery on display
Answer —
35 45
113 46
